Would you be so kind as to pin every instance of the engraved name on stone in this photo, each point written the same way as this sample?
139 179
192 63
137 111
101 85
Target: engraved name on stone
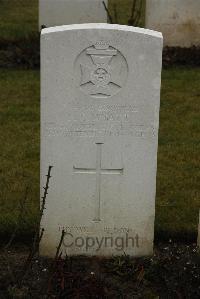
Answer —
96 129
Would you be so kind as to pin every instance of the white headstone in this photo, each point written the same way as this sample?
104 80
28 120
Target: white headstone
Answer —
178 20
99 129
65 12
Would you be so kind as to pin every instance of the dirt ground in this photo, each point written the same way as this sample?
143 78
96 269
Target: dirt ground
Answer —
172 272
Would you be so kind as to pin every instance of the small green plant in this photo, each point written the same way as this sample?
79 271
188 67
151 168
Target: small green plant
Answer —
136 11
126 267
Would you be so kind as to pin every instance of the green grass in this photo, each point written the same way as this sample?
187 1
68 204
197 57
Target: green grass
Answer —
178 192
19 145
18 18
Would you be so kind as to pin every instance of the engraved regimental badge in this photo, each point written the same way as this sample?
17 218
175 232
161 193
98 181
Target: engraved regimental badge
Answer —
102 70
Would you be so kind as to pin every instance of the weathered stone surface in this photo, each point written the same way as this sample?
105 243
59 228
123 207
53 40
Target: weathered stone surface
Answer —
65 12
178 20
100 96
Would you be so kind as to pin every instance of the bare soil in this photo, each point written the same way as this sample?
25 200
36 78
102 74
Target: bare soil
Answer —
172 272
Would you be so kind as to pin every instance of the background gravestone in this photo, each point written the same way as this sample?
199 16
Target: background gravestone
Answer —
64 12
99 129
178 20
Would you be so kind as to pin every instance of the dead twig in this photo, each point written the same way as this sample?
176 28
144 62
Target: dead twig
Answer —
108 13
133 9
57 257
45 193
135 13
37 237
58 254
139 13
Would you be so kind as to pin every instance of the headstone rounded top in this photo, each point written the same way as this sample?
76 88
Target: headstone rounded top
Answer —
102 26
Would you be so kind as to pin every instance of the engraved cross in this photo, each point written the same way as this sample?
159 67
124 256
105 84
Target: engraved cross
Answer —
98 171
